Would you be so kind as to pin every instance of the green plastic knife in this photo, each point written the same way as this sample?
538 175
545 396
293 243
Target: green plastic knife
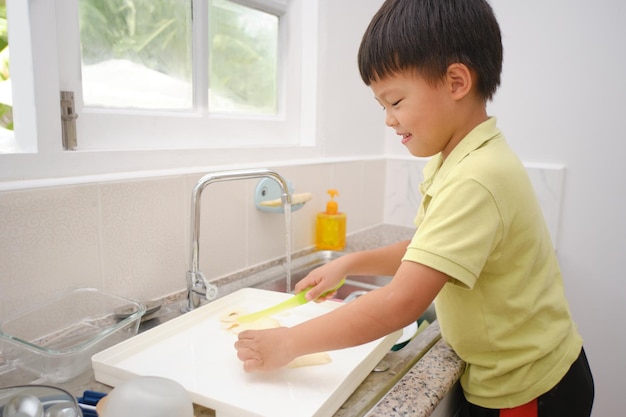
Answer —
295 301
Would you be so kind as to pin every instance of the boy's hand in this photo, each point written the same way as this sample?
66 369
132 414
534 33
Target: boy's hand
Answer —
264 350
321 280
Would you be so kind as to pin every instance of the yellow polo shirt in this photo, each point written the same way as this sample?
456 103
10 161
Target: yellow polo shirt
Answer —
504 310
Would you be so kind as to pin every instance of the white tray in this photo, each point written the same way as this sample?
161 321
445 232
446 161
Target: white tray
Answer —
197 352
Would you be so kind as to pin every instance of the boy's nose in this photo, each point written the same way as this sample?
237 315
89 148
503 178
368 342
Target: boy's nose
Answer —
390 120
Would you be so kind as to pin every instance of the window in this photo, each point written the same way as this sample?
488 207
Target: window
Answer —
172 74
136 54
139 55
243 59
183 73
46 59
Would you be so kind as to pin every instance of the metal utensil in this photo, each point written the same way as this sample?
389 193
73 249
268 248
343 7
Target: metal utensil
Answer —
63 409
23 405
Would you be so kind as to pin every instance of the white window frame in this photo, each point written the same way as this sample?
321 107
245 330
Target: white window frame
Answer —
187 129
39 72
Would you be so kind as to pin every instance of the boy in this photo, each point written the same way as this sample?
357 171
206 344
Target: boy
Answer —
481 245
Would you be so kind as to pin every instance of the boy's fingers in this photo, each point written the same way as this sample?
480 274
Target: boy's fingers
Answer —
251 365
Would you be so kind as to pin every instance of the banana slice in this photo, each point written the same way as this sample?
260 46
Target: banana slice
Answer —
231 315
230 323
260 324
313 359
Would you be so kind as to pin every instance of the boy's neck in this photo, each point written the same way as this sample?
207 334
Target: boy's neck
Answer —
469 117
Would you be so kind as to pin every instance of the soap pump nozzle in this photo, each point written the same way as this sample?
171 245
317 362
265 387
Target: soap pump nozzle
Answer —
332 207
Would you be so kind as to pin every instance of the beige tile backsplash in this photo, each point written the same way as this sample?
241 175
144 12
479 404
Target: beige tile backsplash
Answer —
132 237
143 236
49 238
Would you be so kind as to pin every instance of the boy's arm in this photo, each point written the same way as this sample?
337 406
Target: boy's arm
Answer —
368 318
380 261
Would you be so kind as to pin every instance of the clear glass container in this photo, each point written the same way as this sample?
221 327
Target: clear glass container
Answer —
55 340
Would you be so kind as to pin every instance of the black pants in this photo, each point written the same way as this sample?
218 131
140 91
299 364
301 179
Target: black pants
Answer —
571 397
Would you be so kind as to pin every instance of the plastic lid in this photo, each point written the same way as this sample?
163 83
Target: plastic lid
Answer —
332 207
148 396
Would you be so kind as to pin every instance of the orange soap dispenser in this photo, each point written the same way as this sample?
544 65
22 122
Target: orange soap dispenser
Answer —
330 227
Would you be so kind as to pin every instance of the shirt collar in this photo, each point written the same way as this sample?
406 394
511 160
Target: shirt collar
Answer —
436 170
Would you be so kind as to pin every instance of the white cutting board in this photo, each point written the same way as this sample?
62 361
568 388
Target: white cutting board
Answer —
195 350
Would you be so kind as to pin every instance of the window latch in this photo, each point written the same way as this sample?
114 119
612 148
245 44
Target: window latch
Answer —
68 120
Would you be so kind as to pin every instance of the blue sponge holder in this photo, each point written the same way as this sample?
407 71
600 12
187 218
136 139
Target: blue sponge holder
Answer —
268 189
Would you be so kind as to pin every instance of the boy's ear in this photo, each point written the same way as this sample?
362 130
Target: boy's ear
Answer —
460 80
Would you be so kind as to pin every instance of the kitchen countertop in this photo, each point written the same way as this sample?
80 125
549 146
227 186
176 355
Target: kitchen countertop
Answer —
422 388
423 372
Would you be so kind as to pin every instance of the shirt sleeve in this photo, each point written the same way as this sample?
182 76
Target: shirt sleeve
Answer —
459 229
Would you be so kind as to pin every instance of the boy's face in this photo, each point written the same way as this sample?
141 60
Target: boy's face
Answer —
421 113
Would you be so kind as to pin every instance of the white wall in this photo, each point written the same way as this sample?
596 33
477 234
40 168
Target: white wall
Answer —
562 101
350 121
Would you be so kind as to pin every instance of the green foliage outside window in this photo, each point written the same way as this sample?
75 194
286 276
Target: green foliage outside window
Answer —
156 34
6 108
148 32
243 55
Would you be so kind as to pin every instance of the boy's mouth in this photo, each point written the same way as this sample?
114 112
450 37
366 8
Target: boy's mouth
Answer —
405 137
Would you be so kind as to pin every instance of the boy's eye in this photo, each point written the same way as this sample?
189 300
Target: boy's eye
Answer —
394 104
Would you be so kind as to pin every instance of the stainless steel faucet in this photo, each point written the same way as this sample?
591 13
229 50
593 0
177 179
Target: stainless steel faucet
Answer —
198 286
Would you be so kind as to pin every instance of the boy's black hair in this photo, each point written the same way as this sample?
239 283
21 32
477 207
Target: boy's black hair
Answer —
428 36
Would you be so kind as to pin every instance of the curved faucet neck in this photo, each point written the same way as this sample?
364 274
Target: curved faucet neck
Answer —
197 284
